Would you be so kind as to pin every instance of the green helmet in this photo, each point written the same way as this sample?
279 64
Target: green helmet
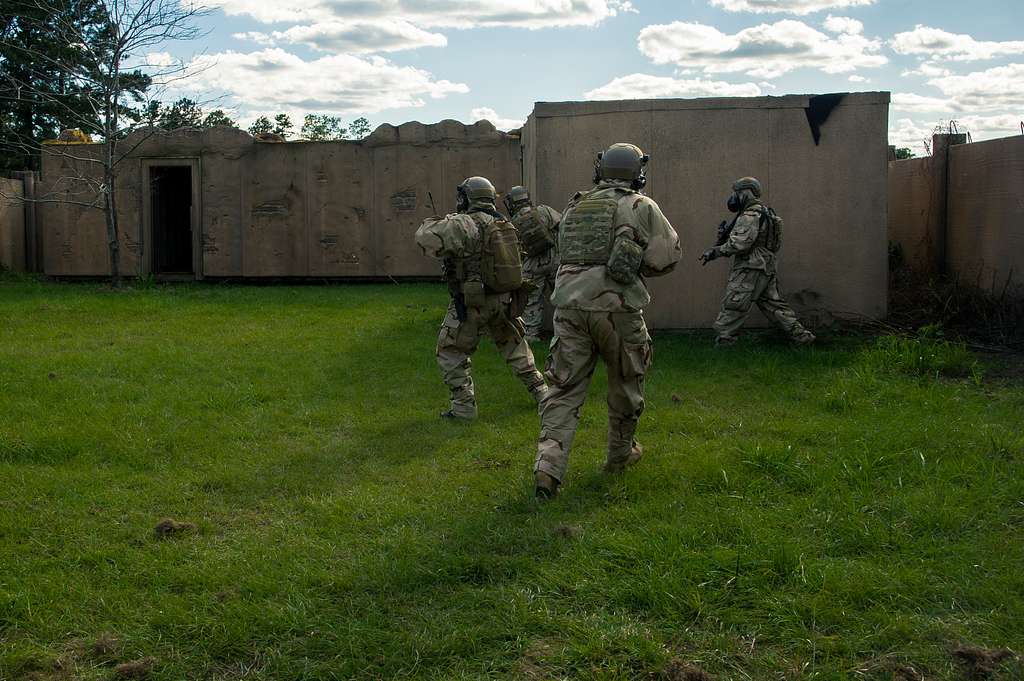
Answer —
516 197
750 183
474 189
622 161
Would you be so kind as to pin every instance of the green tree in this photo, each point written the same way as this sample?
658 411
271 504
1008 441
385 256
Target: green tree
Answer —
321 127
218 117
184 113
282 125
904 153
55 60
359 129
261 126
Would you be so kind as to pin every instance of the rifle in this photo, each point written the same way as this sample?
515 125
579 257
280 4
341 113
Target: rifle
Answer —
724 230
455 290
432 206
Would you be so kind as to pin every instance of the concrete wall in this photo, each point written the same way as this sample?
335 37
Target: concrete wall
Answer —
913 225
295 209
12 225
985 233
832 195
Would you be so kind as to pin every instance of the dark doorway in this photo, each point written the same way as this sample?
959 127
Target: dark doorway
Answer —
171 203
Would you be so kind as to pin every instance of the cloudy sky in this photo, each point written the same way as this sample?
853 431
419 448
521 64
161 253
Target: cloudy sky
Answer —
399 60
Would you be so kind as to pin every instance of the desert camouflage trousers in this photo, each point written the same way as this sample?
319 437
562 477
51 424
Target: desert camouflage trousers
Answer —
458 340
621 340
533 315
748 286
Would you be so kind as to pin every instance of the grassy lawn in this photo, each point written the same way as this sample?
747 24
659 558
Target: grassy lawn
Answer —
800 514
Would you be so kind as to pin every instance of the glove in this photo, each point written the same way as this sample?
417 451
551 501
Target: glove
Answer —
708 255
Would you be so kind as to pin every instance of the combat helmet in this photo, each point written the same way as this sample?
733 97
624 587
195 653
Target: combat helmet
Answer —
622 161
475 189
516 198
751 183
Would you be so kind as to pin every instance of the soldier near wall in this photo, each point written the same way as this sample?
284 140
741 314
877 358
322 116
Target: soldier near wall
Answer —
538 232
610 238
753 239
480 254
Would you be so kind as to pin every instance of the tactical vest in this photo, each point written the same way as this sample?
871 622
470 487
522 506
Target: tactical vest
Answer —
587 229
500 263
770 228
535 231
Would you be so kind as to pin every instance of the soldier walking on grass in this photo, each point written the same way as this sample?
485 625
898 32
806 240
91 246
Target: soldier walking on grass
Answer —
753 239
480 254
538 232
610 238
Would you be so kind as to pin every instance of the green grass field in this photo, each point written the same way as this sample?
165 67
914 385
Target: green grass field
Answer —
830 513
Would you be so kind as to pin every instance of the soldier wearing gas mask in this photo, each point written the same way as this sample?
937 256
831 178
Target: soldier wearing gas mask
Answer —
753 239
611 237
538 232
480 254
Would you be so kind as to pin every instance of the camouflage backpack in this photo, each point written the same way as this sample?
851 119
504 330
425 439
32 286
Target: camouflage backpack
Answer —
771 229
535 231
501 265
585 235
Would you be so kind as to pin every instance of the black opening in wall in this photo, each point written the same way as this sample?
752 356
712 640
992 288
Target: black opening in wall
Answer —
171 203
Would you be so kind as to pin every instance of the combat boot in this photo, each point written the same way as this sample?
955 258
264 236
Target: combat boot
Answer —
636 451
804 338
725 341
544 486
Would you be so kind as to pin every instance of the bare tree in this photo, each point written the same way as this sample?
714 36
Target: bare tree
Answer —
110 67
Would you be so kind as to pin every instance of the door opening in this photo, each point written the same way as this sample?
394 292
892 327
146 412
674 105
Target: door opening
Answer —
171 214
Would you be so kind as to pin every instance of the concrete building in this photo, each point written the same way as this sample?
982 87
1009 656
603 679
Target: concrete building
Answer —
218 203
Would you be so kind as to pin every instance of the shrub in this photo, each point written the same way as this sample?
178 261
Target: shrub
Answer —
926 354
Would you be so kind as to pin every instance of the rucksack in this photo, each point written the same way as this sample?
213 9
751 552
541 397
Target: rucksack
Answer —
534 231
771 229
501 265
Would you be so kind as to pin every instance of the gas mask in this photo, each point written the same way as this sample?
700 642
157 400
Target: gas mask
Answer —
461 200
734 203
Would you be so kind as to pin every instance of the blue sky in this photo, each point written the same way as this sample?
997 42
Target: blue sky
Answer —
399 60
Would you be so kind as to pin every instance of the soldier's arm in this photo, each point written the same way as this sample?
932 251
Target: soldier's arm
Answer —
743 236
663 249
556 217
453 236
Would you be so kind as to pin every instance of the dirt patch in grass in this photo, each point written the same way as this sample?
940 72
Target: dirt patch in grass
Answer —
981 663
136 669
568 531
677 670
169 527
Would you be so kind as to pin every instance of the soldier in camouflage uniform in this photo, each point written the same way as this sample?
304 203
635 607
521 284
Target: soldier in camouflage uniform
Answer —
753 278
474 311
610 238
538 231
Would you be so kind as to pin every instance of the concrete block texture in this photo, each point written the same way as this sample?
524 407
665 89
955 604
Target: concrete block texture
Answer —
832 195
985 231
270 209
12 225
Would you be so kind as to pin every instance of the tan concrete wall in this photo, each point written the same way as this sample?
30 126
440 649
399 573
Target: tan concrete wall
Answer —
912 222
12 225
985 238
297 209
832 195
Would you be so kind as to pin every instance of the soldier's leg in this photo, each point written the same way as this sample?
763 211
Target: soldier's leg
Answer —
456 342
569 367
775 308
626 349
533 315
510 339
739 296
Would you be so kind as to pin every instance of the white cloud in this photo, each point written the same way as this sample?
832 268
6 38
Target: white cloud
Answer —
995 88
937 44
843 25
352 37
276 80
800 7
485 113
160 59
990 127
927 69
434 14
858 79
766 50
909 133
643 86
914 103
